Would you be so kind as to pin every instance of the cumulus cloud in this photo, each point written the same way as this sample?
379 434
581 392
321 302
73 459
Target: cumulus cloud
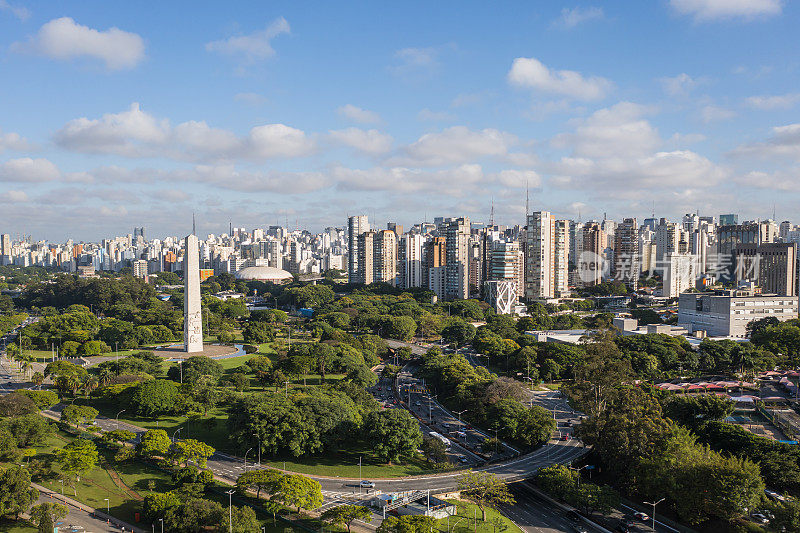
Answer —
12 197
22 13
680 85
712 113
773 102
710 10
357 114
27 170
571 17
618 131
253 47
12 141
455 145
784 142
531 73
371 142
136 133
64 39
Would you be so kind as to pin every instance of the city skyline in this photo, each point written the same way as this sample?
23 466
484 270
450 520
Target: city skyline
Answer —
119 117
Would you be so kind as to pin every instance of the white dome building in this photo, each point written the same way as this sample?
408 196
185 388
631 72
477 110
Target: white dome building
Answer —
264 273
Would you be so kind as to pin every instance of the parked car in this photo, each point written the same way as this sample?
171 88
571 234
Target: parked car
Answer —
365 484
644 517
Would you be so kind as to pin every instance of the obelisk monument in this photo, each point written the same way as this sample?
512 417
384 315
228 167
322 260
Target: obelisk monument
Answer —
192 310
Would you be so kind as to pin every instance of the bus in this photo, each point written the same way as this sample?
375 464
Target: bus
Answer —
442 438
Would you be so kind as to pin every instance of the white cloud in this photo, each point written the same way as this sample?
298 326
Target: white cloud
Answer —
371 142
279 140
357 114
530 72
22 13
254 47
136 133
27 170
618 131
781 180
709 10
570 18
12 141
13 197
772 102
228 177
784 142
407 180
64 39
518 179
455 145
712 113
680 85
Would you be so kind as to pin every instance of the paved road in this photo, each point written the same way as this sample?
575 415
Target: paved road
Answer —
533 514
77 519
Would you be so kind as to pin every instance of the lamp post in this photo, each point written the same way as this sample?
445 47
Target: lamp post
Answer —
654 510
108 509
175 433
245 458
459 415
578 470
117 417
256 435
230 510
162 524
287 387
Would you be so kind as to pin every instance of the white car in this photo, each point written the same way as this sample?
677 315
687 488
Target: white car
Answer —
367 484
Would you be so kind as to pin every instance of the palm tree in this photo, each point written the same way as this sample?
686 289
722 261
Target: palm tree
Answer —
37 378
106 376
89 384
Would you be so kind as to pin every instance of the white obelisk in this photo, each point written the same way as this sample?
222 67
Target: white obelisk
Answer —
192 310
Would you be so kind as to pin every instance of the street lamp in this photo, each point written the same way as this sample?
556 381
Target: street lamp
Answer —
654 510
117 417
108 509
175 433
230 510
578 470
459 415
245 458
256 435
162 524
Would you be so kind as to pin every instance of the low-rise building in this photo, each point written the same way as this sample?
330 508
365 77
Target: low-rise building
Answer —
726 313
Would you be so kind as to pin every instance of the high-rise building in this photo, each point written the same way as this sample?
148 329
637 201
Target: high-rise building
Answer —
457 234
434 256
5 249
410 260
668 236
547 251
365 246
728 220
384 257
140 268
507 263
356 225
595 242
680 273
626 253
773 266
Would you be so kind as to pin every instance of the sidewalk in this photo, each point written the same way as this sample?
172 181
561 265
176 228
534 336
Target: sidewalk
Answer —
85 508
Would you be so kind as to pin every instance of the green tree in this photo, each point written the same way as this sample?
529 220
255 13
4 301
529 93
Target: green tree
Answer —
29 430
156 504
194 516
154 397
43 399
299 491
78 414
392 433
407 524
485 489
16 493
191 450
46 514
267 480
434 450
346 514
458 331
257 332
154 442
535 426
244 520
77 457
196 367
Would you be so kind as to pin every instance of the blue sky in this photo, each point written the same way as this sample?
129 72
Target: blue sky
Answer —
120 114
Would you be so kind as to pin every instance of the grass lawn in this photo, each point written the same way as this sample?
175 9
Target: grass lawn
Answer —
20 526
468 511
345 464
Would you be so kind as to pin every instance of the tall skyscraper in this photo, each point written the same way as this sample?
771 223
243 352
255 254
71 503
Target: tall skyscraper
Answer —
384 257
595 242
457 234
356 225
728 220
434 256
365 247
773 266
547 251
410 260
626 253
5 249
